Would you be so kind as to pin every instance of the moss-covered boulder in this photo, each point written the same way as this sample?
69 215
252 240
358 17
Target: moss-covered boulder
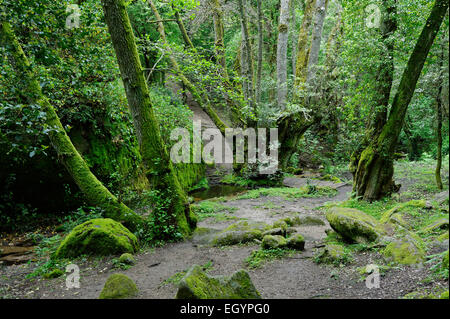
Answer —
304 220
273 242
102 236
119 286
240 232
354 225
408 250
296 242
330 254
127 259
196 284
279 231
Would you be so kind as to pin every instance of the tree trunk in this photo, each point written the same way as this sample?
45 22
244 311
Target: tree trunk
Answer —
302 47
219 38
159 168
283 37
321 10
293 40
374 176
439 118
385 77
187 40
92 188
247 67
260 52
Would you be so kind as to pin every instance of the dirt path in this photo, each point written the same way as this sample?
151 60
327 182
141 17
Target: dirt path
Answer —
293 277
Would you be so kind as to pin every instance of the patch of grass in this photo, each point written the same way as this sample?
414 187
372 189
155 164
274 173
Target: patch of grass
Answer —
207 209
261 256
374 209
176 278
290 193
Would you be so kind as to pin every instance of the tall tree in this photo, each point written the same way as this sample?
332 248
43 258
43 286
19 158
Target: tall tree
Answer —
219 31
301 67
159 168
384 81
321 10
248 86
92 188
283 37
439 107
260 51
374 175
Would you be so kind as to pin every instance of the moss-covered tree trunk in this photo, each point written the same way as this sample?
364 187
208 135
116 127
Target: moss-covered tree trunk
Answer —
385 77
248 86
260 51
159 168
374 175
219 43
92 188
187 40
282 46
301 67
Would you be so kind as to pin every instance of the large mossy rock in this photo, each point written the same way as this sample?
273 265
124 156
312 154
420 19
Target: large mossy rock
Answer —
330 254
408 250
119 286
102 236
196 284
273 242
240 232
354 225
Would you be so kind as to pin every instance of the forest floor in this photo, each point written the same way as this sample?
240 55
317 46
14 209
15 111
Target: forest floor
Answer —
294 275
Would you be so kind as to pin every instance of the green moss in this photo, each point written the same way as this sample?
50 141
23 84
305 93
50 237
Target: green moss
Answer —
98 237
407 251
402 208
127 259
296 242
354 225
240 232
441 223
272 242
198 285
118 286
54 274
443 237
333 254
259 257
